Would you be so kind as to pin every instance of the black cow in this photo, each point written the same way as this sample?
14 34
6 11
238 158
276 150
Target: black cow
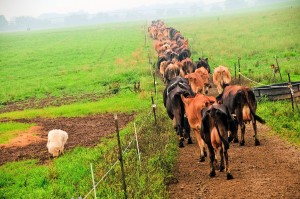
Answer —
184 53
203 62
216 123
175 107
241 101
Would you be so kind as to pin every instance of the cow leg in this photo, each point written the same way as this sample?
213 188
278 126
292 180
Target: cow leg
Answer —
239 116
179 130
222 160
236 139
243 128
187 130
255 131
228 174
201 145
181 138
216 165
212 159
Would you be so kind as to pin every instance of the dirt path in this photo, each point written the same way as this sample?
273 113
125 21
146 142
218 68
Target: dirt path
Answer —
83 131
271 170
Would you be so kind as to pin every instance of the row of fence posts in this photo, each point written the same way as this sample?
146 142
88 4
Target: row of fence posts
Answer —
120 157
276 69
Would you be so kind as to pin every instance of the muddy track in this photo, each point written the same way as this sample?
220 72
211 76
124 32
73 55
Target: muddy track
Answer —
271 170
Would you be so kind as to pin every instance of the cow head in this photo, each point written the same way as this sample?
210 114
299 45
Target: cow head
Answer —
180 86
195 82
205 77
221 78
188 66
203 62
171 72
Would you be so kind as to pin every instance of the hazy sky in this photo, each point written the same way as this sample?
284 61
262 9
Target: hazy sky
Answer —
12 8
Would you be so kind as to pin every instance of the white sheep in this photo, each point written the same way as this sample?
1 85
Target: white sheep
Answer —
56 141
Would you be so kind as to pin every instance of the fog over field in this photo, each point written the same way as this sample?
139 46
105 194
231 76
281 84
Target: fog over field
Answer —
34 14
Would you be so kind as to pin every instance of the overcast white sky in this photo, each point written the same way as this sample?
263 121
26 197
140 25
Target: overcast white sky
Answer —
12 8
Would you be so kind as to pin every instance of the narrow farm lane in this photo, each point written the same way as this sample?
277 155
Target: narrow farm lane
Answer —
271 170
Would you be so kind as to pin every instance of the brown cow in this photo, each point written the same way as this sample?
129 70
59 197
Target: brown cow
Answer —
205 77
241 101
163 66
217 122
193 107
221 77
171 72
196 82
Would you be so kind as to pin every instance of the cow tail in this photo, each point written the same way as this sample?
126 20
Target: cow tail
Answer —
225 142
256 117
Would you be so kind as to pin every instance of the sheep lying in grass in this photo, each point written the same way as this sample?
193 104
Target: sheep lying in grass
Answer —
56 141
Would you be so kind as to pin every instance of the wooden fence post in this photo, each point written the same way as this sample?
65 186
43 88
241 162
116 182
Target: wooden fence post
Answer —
278 67
120 156
235 72
239 70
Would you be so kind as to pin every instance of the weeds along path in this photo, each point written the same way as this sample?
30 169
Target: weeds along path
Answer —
271 170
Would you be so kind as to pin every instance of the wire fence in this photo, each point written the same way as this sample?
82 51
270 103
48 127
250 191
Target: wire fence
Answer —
136 131
288 86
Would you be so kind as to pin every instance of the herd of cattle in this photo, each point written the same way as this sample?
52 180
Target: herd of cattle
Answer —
213 120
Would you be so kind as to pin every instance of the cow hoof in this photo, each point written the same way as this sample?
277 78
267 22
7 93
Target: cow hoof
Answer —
257 143
229 176
205 154
190 141
222 168
202 159
235 140
242 143
180 145
212 174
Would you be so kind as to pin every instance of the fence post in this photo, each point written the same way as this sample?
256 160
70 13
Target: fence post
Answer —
278 67
154 83
137 143
120 156
235 72
239 70
153 108
93 181
291 89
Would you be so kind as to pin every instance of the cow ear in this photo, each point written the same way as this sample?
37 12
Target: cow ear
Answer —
206 59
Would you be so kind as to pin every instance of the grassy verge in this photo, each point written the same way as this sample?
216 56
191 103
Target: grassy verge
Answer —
125 102
282 119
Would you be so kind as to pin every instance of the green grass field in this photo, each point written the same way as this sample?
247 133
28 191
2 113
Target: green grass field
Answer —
96 60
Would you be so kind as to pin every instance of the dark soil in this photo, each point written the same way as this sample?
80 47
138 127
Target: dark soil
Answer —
82 131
